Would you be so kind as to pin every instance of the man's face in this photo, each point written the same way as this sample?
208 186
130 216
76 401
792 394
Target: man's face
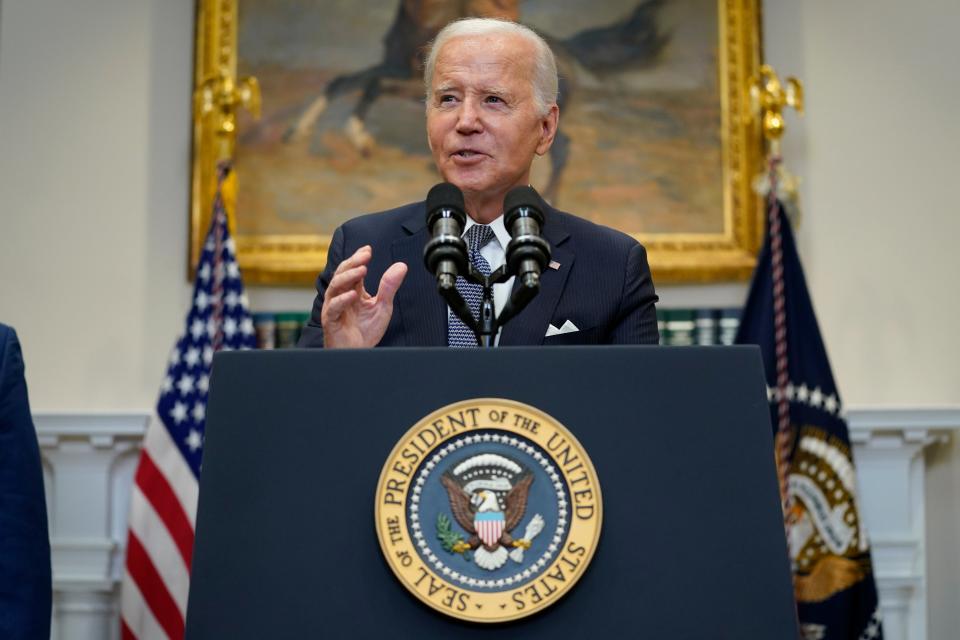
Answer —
483 125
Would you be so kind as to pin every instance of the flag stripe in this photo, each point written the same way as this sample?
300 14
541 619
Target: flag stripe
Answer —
167 456
135 618
155 487
489 530
158 599
160 546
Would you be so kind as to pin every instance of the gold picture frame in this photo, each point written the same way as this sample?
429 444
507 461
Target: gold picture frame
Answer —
278 259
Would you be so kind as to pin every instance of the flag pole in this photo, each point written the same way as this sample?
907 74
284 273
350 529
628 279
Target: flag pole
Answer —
218 99
768 99
165 491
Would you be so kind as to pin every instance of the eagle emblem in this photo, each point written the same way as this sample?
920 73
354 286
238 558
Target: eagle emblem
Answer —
476 515
488 498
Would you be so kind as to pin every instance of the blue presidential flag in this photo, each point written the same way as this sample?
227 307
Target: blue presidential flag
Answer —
829 550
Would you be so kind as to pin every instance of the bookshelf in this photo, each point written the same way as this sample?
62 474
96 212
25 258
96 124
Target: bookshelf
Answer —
678 326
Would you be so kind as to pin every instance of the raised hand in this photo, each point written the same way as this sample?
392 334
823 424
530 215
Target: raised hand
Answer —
351 317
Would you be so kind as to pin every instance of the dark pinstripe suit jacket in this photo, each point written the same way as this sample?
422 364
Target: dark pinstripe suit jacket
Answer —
603 284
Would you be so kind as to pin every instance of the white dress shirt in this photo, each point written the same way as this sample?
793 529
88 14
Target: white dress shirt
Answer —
495 254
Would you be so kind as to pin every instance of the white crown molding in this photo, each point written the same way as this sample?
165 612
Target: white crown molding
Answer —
944 417
99 428
892 427
87 422
858 417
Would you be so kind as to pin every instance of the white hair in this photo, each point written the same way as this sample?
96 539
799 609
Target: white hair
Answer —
545 83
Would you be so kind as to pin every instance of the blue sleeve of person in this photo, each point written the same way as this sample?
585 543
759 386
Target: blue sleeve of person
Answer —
25 583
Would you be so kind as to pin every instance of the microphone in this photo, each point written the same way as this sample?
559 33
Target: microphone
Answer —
446 253
527 252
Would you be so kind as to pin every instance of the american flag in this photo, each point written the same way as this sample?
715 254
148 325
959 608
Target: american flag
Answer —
163 504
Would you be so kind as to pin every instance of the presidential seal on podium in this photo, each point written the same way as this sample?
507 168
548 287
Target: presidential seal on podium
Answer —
488 510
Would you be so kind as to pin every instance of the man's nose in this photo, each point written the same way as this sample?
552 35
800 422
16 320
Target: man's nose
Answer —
468 118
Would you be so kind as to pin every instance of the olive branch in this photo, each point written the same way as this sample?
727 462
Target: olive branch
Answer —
447 536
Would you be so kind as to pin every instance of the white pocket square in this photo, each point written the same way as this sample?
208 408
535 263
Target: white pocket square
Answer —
566 327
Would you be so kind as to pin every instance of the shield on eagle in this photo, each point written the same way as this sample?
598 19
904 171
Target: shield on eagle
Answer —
489 526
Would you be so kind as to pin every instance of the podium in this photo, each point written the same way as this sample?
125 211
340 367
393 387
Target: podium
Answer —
692 542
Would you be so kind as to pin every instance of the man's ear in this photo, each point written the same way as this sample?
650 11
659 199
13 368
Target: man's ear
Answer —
548 129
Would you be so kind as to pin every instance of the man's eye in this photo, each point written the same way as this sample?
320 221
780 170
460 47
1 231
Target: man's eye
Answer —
494 99
447 98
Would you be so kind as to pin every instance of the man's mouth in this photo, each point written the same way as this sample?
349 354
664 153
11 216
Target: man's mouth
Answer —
467 153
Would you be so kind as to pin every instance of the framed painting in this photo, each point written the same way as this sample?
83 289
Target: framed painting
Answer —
656 137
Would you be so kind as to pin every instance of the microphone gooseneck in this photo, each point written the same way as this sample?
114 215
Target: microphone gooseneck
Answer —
446 253
528 254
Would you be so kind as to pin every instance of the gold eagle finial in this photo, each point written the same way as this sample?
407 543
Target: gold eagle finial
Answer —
219 96
769 97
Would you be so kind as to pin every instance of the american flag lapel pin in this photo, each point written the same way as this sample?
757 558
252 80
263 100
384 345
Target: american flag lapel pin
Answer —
554 264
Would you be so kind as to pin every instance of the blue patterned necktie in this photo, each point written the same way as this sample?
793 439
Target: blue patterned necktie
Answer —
459 334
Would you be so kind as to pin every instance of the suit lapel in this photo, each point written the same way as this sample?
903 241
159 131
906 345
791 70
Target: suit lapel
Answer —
422 310
530 325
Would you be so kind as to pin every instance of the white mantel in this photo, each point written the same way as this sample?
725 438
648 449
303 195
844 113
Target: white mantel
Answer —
888 449
88 464
89 460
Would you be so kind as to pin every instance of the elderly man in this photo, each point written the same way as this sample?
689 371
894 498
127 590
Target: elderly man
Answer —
491 90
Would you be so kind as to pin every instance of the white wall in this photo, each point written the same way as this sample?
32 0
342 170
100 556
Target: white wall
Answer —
877 151
94 169
94 151
878 154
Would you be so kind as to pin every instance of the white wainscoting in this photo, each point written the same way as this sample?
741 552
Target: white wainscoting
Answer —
88 465
89 460
888 449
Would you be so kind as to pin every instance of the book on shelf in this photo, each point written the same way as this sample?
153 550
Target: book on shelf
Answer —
702 326
678 327
279 330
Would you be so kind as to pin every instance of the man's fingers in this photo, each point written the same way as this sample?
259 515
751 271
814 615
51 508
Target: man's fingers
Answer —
346 280
359 257
390 282
334 307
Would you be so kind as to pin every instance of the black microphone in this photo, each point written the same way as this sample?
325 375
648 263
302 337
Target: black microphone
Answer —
527 252
446 253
